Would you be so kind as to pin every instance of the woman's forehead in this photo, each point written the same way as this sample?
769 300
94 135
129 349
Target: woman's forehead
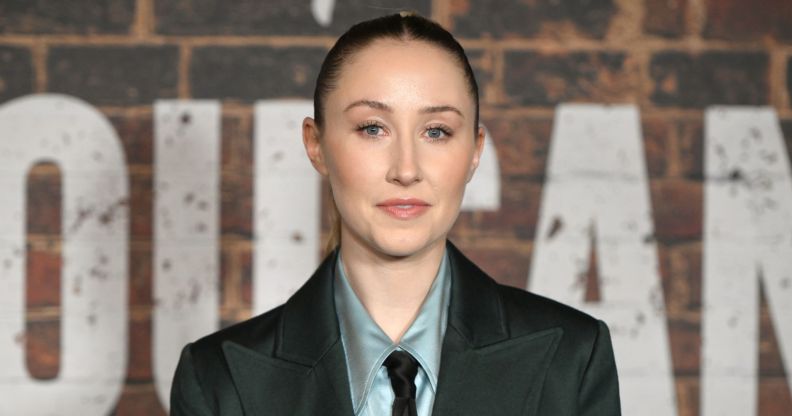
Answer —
403 72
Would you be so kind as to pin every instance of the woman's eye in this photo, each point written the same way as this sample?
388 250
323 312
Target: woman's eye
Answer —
372 130
436 133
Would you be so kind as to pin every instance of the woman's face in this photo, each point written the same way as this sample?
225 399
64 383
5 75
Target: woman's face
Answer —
398 146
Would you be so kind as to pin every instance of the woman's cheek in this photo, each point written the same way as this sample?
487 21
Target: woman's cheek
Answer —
341 167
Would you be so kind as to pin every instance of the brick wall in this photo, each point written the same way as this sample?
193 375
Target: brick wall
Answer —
672 58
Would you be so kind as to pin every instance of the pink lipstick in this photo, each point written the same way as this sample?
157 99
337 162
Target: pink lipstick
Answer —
404 208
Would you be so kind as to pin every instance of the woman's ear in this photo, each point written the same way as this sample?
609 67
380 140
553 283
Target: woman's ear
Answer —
313 146
479 148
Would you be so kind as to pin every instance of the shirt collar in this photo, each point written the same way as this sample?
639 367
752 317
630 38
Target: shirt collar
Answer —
365 344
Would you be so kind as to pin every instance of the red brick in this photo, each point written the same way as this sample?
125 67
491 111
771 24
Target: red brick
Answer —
250 73
664 269
16 70
774 397
245 261
508 19
137 137
677 210
522 144
235 279
43 203
536 73
516 218
114 75
140 205
139 363
76 16
786 125
139 400
682 79
688 394
508 266
691 149
236 206
770 361
43 278
279 17
237 146
684 337
547 79
656 136
227 273
665 18
483 64
682 278
789 77
140 276
42 348
591 277
744 20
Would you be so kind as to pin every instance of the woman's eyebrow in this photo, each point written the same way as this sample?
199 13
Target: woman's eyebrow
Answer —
378 105
370 103
441 109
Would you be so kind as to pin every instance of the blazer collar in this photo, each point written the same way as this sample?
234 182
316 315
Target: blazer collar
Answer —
479 355
475 310
308 326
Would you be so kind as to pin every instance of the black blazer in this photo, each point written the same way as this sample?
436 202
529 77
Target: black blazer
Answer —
505 352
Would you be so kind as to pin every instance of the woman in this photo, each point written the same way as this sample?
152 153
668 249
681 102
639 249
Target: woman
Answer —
396 321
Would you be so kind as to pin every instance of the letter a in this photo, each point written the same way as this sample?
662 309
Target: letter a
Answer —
596 183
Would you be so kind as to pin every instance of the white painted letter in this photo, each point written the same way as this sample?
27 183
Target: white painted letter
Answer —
322 11
747 234
597 183
483 192
95 231
286 203
186 214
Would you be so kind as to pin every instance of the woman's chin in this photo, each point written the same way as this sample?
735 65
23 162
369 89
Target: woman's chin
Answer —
393 242
403 245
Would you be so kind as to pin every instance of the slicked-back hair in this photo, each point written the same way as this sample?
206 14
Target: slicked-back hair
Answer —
400 26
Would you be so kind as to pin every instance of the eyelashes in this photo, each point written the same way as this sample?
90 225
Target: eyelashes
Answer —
370 128
433 132
438 132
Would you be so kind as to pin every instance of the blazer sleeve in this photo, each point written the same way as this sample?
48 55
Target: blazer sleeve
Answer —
187 397
599 388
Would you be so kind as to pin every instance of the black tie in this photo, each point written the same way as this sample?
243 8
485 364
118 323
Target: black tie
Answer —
402 369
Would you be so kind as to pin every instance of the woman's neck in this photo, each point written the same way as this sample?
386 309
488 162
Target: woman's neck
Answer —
392 289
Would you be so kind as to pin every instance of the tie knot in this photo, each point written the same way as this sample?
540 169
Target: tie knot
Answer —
402 369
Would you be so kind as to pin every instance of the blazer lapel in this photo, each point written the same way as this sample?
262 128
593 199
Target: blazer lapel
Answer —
484 368
304 372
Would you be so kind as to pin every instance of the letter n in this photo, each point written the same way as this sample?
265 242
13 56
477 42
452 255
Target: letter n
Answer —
747 239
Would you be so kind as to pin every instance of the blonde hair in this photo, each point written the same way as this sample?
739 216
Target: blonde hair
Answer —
334 238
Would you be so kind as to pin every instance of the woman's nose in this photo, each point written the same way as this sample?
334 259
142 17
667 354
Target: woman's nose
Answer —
404 168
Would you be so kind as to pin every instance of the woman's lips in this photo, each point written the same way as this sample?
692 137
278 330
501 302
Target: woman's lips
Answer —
404 209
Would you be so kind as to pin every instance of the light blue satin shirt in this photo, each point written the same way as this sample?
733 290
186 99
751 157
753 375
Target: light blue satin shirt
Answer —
366 345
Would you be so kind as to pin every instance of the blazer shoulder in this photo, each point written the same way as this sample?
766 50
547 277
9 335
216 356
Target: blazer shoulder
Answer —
202 381
257 333
583 368
527 312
